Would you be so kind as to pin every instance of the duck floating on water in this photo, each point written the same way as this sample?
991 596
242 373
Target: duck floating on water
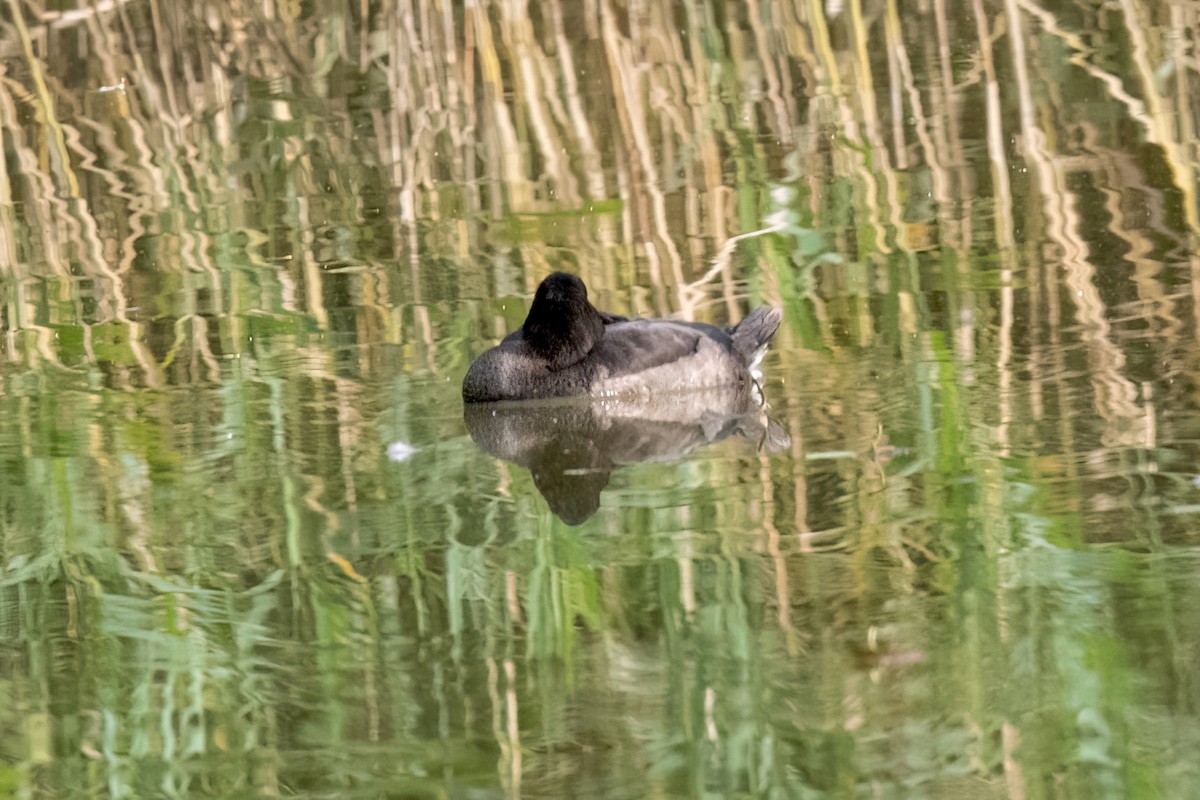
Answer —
569 348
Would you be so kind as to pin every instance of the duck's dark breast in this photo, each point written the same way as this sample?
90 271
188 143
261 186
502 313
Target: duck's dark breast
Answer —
510 372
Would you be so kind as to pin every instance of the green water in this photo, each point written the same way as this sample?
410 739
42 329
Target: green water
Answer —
250 547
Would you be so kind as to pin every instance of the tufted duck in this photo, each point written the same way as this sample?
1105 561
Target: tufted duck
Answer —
569 348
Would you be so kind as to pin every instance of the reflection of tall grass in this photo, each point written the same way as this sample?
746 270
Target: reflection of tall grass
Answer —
231 184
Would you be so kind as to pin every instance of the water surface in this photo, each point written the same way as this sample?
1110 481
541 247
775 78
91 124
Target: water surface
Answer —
249 546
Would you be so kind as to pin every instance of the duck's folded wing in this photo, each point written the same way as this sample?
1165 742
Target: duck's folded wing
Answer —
662 356
632 347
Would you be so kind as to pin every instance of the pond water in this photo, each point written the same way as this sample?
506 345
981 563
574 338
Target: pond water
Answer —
250 545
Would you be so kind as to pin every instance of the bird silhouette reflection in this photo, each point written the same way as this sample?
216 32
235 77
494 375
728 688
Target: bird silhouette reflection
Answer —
571 447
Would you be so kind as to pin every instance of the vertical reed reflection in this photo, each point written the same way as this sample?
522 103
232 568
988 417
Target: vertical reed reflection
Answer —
246 246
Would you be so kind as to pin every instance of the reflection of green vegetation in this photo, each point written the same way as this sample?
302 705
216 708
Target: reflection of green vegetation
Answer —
553 227
235 273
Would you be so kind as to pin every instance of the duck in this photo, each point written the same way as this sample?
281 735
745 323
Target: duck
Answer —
569 348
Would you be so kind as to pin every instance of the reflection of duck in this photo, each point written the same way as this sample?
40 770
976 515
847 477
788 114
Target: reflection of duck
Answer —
568 348
572 446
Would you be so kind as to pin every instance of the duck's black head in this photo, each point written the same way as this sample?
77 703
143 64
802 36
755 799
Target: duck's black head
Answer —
562 326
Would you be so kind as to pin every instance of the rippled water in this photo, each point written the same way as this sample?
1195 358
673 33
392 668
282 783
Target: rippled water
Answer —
252 546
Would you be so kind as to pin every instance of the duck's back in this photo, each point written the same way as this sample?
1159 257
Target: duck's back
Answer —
654 355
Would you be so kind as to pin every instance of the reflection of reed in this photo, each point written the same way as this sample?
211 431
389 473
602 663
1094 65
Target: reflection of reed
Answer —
502 95
1169 130
1115 394
266 211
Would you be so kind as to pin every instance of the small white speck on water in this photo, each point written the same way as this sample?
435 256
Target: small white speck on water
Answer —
401 451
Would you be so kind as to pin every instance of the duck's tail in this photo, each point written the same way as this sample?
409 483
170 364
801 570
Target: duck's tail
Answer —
751 335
